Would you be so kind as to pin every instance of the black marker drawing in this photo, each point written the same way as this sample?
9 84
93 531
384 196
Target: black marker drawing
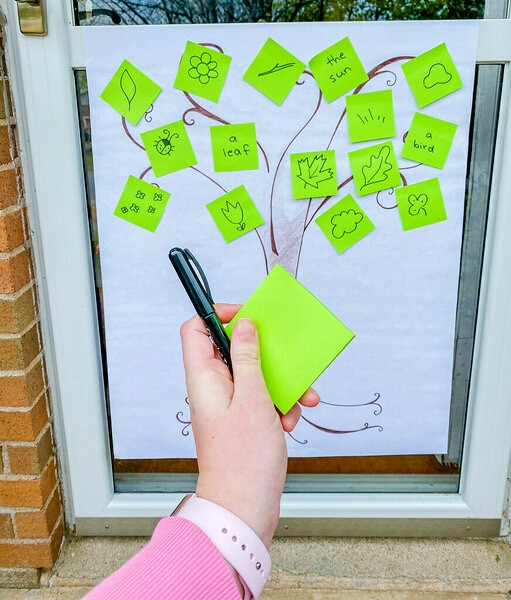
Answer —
365 119
203 68
128 87
157 197
437 75
314 170
163 145
417 204
276 69
135 207
140 195
234 214
151 209
376 171
345 222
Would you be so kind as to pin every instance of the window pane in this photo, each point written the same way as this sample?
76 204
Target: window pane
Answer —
140 12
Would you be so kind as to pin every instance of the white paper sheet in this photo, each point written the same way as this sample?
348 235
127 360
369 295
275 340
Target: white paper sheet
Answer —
389 392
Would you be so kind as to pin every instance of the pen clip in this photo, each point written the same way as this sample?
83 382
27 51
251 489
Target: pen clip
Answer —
199 273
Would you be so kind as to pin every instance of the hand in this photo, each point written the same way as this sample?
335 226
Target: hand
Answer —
238 433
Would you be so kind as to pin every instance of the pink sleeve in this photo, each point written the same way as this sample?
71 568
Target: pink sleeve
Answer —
180 562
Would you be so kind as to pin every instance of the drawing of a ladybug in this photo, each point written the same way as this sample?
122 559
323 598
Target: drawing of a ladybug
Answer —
163 145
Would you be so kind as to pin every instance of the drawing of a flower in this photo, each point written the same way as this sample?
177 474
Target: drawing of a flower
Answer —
234 214
203 68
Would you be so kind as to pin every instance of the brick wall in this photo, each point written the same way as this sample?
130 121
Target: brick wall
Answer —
31 514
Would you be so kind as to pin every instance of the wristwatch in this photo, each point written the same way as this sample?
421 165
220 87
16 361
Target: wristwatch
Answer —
239 545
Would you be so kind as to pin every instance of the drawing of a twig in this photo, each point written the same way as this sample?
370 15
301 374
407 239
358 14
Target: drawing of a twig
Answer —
276 69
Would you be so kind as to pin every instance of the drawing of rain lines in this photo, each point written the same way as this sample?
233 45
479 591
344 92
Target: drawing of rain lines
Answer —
365 119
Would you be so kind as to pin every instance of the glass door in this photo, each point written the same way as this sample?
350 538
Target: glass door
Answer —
370 486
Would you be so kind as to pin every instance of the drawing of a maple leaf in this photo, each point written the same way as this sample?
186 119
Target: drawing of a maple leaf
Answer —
378 167
313 171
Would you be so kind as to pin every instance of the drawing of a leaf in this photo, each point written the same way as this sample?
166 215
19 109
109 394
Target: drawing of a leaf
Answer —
128 87
378 167
313 171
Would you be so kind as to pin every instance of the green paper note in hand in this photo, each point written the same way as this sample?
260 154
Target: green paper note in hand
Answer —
374 168
370 116
299 336
432 75
142 203
169 148
313 174
420 204
235 213
130 92
345 223
429 140
338 69
202 71
274 71
234 147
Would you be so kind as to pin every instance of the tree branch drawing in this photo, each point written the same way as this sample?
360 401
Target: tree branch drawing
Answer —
282 241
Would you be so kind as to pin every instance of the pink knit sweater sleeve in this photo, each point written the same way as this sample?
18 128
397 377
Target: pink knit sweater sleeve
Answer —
180 562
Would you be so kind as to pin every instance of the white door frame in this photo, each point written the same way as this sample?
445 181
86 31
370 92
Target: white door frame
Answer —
44 90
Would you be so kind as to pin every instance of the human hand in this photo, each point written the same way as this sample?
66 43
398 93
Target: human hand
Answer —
239 435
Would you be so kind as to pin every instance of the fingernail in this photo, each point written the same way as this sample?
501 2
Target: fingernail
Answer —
245 329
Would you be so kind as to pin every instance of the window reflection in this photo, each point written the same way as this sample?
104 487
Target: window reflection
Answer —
140 12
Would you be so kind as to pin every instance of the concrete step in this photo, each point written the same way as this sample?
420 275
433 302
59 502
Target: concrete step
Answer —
319 569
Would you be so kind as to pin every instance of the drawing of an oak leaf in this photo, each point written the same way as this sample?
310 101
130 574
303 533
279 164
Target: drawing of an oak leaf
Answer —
378 167
313 171
128 87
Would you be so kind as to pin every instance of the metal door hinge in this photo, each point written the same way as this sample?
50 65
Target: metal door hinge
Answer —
32 16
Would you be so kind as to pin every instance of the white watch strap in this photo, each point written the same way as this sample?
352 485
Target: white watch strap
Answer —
239 545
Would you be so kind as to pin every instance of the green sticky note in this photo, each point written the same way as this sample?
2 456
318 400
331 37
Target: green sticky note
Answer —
299 336
169 148
432 75
234 147
235 213
429 140
345 223
142 203
313 174
420 204
202 71
274 71
130 92
338 69
370 116
374 168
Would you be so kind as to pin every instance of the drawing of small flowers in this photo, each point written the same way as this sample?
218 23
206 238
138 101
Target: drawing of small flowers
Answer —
203 68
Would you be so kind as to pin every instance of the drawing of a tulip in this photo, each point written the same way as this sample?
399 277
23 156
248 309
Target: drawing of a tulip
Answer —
234 214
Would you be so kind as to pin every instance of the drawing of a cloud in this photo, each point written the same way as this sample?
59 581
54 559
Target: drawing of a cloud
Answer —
345 222
438 75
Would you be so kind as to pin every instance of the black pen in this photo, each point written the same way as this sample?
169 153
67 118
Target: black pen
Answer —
196 285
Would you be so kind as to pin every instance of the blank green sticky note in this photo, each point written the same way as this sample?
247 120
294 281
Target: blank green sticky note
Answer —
374 168
370 116
338 69
235 213
169 148
345 223
202 71
234 147
274 71
429 140
142 203
313 174
299 336
130 92
420 204
432 75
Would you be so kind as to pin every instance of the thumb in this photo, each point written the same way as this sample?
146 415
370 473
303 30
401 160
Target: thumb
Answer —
246 361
